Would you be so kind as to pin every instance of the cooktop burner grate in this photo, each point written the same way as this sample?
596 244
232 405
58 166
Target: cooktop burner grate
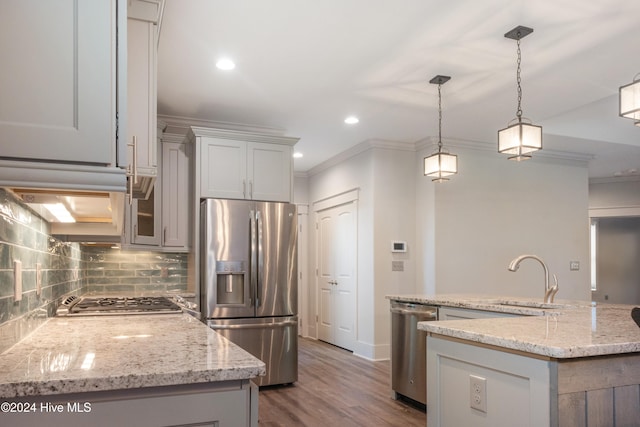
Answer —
122 305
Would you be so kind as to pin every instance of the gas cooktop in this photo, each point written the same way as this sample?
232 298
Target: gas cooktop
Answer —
90 306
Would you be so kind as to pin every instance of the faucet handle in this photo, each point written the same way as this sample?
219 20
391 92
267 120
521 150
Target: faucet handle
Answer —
554 289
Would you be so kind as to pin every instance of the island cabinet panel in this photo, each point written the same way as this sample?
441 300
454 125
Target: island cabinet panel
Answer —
517 386
533 389
601 391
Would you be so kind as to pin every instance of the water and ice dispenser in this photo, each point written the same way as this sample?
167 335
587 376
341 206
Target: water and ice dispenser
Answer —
230 276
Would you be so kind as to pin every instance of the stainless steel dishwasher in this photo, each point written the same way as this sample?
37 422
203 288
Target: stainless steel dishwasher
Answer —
409 349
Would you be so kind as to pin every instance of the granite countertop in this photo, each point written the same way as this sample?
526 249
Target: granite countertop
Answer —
94 353
572 329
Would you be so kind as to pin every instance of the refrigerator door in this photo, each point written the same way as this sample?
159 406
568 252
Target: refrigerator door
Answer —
277 259
273 340
226 289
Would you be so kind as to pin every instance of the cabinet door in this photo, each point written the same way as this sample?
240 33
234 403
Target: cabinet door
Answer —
58 80
175 195
269 169
145 219
141 93
223 168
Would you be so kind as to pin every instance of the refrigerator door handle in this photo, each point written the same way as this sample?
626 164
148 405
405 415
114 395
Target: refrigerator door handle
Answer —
281 324
253 267
260 265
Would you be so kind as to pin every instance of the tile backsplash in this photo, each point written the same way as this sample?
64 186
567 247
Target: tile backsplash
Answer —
67 268
25 237
113 270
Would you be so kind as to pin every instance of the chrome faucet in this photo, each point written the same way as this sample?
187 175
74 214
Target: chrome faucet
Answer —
549 292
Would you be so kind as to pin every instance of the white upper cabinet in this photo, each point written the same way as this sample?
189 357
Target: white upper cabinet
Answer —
175 194
58 86
223 166
243 165
142 47
269 171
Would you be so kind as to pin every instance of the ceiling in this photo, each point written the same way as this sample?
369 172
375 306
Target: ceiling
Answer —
303 66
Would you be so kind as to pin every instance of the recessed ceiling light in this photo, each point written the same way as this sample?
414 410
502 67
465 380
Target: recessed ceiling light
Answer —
225 64
351 120
297 155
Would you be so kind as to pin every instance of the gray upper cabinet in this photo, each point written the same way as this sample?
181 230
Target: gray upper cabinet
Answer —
243 165
142 65
59 102
175 193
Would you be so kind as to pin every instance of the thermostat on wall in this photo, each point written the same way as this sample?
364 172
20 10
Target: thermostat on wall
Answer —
398 246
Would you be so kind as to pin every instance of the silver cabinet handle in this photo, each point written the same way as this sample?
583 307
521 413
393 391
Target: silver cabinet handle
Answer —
244 188
164 235
130 195
250 189
132 169
133 166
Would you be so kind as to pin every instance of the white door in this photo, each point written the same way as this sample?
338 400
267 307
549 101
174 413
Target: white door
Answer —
336 252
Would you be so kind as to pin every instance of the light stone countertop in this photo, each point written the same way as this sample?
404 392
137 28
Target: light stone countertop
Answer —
574 329
94 353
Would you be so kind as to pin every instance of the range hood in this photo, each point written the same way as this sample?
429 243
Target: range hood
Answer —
91 213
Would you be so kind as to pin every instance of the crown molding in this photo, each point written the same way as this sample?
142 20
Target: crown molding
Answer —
366 145
181 125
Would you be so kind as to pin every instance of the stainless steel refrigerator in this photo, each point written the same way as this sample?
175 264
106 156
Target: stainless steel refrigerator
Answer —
249 287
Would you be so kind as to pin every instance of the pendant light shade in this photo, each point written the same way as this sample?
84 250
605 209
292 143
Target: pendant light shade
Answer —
521 137
630 100
520 140
441 164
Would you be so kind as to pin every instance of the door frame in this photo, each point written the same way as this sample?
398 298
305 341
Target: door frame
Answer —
336 200
303 264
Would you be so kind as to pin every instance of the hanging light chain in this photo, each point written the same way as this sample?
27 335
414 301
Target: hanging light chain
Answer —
439 117
519 82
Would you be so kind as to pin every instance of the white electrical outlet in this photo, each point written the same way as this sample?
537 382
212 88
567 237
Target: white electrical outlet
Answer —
17 280
478 393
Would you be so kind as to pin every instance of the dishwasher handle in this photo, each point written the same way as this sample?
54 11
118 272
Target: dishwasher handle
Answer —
423 313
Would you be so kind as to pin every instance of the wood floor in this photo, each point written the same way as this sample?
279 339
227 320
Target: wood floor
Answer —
335 388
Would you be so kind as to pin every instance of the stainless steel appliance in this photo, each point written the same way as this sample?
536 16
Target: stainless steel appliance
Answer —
91 306
409 349
249 287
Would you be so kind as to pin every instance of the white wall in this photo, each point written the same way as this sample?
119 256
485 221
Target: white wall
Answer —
461 234
615 197
495 210
352 173
394 219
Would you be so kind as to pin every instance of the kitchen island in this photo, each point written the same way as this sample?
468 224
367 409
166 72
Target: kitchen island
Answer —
129 370
571 364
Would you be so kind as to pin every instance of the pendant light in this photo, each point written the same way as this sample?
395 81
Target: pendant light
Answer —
440 165
520 138
630 100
